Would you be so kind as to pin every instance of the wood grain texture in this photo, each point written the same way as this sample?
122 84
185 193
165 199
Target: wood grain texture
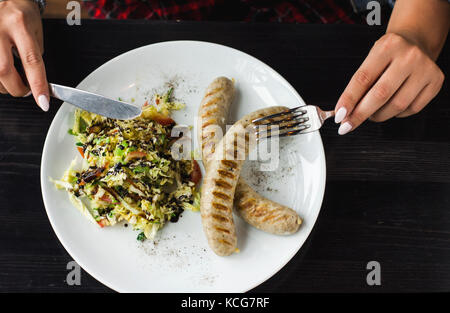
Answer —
388 190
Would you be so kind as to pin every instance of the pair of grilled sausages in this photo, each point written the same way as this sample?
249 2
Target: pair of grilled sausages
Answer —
222 186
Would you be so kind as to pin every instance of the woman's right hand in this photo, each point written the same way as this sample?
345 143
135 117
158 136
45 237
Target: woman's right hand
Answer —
21 30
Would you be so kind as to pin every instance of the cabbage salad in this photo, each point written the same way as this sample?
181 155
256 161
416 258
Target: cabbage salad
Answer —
128 173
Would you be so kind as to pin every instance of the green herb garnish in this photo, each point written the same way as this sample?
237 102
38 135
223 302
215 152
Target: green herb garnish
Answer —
141 237
168 95
140 169
118 151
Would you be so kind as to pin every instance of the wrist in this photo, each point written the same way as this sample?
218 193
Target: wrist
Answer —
417 40
423 23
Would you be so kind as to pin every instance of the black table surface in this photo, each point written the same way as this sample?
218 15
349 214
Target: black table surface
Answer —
387 196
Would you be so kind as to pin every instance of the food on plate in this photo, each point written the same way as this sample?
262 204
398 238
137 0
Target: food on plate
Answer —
263 213
255 209
212 115
219 184
128 173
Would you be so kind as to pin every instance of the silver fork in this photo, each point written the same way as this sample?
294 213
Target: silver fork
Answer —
299 120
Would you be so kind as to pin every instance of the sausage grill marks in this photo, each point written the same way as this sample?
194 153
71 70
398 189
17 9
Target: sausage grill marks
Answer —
222 186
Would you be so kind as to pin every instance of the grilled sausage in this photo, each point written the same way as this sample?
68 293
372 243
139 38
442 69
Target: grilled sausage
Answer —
263 213
212 115
256 210
222 175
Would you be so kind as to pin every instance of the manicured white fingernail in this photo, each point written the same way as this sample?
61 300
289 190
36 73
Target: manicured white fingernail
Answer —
27 94
344 128
43 102
340 115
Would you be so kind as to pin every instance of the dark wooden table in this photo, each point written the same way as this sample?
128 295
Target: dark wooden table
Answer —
388 185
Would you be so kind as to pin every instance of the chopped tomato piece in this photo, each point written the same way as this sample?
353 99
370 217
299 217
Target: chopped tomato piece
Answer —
196 174
106 198
135 155
80 149
103 222
161 119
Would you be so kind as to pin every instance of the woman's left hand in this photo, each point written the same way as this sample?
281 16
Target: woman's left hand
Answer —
397 78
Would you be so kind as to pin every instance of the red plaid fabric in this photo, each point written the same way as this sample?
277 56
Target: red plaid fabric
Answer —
293 11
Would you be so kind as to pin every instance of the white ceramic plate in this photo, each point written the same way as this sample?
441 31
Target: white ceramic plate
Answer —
180 260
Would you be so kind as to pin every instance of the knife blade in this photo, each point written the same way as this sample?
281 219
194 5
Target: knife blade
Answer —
94 103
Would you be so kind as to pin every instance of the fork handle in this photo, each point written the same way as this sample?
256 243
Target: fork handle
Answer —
324 115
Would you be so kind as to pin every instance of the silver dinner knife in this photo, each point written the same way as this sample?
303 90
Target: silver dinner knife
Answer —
94 103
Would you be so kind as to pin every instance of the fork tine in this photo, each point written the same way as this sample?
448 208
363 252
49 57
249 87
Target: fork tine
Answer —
291 132
286 120
294 132
299 120
289 125
258 120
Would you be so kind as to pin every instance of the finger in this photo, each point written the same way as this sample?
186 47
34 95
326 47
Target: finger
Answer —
9 77
2 89
376 97
425 96
373 66
5 92
33 64
401 100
